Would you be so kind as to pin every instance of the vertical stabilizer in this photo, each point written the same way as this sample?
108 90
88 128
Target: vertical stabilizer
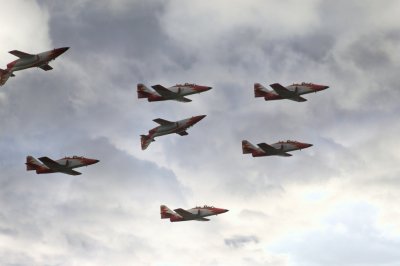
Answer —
32 163
166 212
247 147
143 91
259 90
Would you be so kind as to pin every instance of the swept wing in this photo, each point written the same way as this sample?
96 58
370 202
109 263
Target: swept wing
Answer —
169 94
46 67
271 150
162 122
203 219
183 133
285 93
185 214
53 165
20 54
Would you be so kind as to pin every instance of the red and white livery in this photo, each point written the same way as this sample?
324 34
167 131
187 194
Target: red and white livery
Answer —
177 92
29 60
168 127
280 148
194 214
64 165
291 92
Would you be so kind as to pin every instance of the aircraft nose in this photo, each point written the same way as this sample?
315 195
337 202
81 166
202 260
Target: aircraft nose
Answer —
93 161
198 118
224 210
307 145
61 50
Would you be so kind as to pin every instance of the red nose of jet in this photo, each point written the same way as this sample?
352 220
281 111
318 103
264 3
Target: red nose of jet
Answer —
92 161
219 211
305 145
202 88
196 119
60 51
322 87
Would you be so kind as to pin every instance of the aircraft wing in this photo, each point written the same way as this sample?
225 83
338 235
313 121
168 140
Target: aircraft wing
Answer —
165 92
268 148
298 99
203 219
185 214
285 93
182 133
282 91
162 122
183 99
53 165
46 67
272 151
20 54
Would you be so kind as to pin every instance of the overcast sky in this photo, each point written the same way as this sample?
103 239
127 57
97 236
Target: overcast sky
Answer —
335 203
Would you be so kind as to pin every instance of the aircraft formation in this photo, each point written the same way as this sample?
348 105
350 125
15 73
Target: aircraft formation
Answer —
179 92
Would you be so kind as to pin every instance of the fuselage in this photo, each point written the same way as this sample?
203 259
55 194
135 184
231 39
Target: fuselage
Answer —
179 91
175 127
35 60
299 89
69 162
282 146
198 212
188 89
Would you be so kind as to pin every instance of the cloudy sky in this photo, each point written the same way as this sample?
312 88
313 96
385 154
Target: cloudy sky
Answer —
333 204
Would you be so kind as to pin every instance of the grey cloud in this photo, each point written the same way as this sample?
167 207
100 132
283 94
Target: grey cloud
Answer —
240 241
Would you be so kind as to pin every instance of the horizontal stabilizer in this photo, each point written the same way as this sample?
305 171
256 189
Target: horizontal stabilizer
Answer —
46 67
20 54
162 122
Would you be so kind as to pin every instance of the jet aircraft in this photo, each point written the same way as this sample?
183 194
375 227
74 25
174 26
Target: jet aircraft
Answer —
64 165
291 92
168 127
29 60
196 213
280 148
177 92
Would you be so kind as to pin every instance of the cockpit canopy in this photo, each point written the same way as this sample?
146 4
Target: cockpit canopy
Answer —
205 206
185 84
288 141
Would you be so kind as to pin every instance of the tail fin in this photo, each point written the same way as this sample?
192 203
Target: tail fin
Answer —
32 163
4 75
247 147
145 141
143 91
259 90
166 212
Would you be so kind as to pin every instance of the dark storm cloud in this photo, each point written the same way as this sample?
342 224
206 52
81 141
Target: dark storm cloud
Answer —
135 36
87 105
240 241
61 208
